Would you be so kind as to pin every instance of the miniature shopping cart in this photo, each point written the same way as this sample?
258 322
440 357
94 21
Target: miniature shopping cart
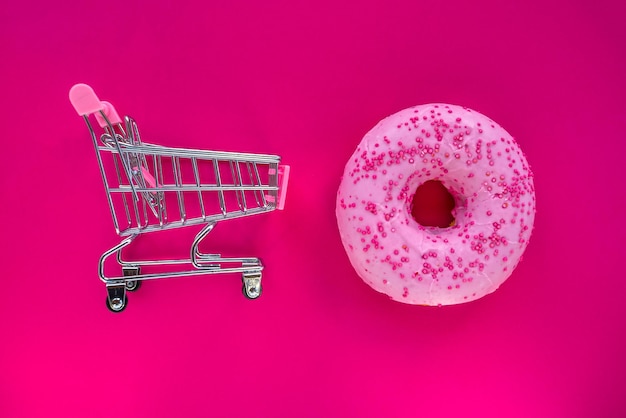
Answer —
153 188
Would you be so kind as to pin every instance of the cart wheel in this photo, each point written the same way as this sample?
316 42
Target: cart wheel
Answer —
118 304
252 293
133 285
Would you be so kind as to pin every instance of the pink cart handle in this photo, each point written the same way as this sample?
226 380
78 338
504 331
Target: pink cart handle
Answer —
110 113
85 102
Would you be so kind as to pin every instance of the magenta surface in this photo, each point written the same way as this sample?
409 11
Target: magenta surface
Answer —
307 81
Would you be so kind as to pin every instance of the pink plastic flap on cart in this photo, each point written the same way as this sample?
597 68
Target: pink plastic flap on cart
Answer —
84 100
110 113
148 178
283 181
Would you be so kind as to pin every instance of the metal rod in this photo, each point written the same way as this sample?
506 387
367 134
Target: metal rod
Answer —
218 181
102 173
243 206
196 173
258 177
178 180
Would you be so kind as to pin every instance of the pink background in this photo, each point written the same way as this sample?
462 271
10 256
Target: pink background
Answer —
306 81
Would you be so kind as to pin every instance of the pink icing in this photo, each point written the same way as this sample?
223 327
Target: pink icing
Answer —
483 168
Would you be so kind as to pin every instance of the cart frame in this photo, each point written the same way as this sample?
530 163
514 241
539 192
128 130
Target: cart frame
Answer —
139 192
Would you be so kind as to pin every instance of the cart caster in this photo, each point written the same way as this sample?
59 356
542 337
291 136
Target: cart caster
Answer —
117 305
116 299
252 288
132 285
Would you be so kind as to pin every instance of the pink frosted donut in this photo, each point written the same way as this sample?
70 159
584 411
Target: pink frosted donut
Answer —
485 171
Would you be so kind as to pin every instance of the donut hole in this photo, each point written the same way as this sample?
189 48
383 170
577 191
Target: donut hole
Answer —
432 205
